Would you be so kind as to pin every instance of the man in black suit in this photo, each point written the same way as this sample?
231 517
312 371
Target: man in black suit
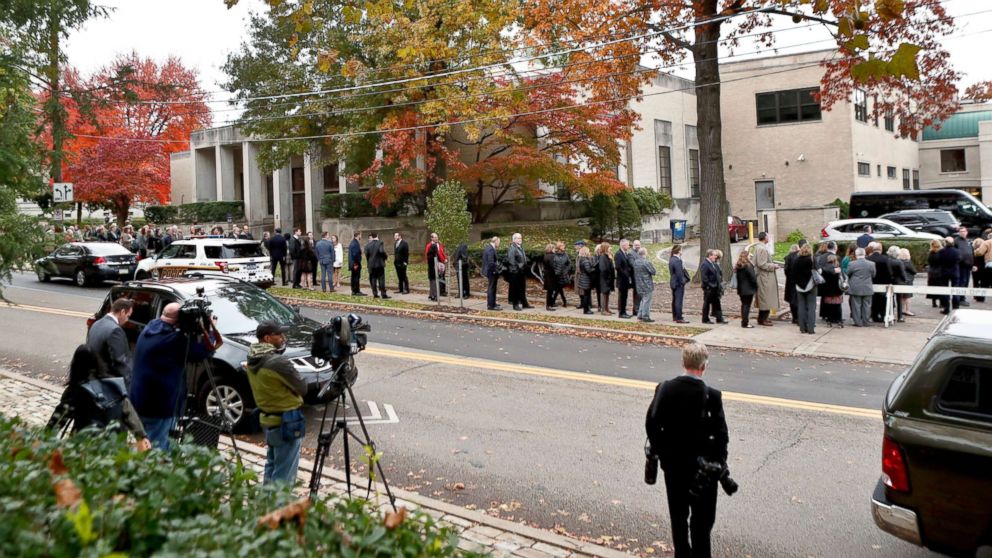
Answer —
277 254
355 261
625 278
491 272
107 340
712 279
685 422
375 254
883 276
401 259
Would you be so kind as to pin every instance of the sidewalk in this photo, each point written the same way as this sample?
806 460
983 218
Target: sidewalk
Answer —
34 400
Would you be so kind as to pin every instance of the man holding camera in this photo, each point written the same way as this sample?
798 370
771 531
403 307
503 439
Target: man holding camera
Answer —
688 432
158 387
278 390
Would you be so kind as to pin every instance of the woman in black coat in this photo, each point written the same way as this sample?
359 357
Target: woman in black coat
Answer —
584 278
563 272
607 277
833 297
747 285
805 290
948 260
549 276
933 269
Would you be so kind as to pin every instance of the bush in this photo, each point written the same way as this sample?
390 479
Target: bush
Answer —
602 215
843 206
628 216
650 202
447 213
162 214
795 236
199 212
195 503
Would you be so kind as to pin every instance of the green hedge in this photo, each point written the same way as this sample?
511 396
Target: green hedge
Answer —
194 502
919 250
355 204
199 212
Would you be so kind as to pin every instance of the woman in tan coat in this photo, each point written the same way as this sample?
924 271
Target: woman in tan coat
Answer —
767 295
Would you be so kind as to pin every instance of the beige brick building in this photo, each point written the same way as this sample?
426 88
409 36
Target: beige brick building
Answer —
782 152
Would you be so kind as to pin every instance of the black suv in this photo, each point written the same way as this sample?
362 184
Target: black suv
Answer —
935 221
936 485
239 306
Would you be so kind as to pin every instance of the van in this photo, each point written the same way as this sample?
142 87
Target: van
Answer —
969 211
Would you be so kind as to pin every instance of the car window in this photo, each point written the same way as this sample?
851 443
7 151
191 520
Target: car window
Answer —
883 228
64 250
968 392
170 252
239 308
212 252
252 250
187 251
145 308
108 249
965 207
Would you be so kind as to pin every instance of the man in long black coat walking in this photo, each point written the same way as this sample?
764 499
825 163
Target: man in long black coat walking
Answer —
625 278
401 259
277 254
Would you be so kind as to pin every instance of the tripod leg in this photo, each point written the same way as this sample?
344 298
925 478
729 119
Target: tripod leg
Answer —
368 441
347 457
324 441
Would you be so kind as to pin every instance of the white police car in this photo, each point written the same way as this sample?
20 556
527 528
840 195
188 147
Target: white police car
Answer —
241 259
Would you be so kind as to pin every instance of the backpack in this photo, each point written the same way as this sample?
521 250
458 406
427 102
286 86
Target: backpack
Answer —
104 403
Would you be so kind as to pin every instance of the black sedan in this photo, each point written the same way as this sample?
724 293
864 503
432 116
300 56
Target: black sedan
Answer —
87 262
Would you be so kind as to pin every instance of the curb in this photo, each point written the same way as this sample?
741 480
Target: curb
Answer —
421 502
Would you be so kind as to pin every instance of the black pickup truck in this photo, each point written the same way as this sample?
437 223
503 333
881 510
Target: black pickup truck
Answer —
936 484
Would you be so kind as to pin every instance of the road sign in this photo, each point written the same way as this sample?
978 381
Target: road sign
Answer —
62 192
57 214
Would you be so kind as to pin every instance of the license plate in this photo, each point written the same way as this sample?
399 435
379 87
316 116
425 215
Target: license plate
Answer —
122 271
251 266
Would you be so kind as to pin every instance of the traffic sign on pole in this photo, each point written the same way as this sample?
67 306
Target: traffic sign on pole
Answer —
62 192
57 214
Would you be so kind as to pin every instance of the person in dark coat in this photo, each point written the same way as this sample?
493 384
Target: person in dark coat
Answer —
684 423
401 260
607 277
355 264
107 340
517 259
933 269
296 255
948 261
375 254
790 280
712 282
898 277
625 278
585 274
832 297
436 263
325 258
490 270
549 276
747 284
909 270
562 267
678 278
462 265
883 276
277 254
805 290
966 251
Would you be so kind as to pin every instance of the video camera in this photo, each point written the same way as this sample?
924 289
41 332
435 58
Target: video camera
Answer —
708 473
337 342
195 316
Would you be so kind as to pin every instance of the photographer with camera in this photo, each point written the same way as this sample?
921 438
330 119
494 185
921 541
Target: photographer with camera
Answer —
687 432
278 390
158 387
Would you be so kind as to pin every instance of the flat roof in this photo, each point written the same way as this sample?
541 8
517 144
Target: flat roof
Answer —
959 125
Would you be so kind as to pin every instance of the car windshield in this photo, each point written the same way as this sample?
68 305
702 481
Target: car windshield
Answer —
107 249
235 251
239 308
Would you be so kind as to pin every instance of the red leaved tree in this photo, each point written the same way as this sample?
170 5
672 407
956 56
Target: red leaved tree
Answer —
118 172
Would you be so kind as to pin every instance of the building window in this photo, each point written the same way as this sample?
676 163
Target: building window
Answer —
796 105
878 170
890 123
665 169
952 160
694 173
906 184
891 172
269 196
330 174
864 169
860 105
916 179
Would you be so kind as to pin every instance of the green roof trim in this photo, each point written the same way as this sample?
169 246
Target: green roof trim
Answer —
960 125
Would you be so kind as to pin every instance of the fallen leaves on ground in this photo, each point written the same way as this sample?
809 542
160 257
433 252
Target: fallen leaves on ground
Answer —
295 512
395 519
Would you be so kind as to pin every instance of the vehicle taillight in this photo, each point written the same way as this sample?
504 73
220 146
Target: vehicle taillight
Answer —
222 266
823 233
89 322
894 473
99 260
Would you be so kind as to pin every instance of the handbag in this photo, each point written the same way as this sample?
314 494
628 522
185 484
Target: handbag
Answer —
294 425
843 283
818 278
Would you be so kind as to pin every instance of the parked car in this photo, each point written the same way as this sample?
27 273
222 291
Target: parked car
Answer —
737 228
967 209
87 262
239 307
936 483
934 221
241 259
847 230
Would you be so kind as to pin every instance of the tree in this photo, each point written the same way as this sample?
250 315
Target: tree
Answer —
116 173
888 48
979 92
447 213
628 216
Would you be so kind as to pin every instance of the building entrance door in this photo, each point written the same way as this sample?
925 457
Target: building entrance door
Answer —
764 194
299 200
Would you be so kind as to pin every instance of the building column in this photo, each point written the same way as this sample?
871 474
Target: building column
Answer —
254 184
313 191
225 173
342 178
985 159
282 192
204 175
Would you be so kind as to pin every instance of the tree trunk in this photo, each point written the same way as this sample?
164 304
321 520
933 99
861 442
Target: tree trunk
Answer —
121 208
713 190
56 115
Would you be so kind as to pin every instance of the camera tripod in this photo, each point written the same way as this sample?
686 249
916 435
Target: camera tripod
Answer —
339 425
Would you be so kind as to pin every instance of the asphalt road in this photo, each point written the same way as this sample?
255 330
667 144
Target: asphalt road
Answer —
566 452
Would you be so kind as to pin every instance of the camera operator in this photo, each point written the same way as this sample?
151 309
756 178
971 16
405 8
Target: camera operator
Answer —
685 422
278 390
157 386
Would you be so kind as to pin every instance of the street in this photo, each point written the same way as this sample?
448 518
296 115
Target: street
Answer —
548 429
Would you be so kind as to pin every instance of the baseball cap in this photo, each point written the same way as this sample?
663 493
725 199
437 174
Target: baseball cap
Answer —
580 242
269 327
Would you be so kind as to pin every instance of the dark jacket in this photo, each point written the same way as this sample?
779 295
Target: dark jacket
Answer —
401 257
883 268
864 240
516 258
562 267
325 251
711 275
489 261
934 273
295 247
790 277
376 255
277 248
966 251
803 271
831 281
949 259
159 367
108 341
686 421
587 269
607 274
548 271
355 254
676 271
79 406
625 270
747 280
909 271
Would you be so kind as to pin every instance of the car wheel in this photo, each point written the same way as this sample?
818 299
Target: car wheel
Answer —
230 396
43 276
154 274
735 238
80 278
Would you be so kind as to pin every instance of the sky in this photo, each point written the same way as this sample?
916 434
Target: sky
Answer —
201 33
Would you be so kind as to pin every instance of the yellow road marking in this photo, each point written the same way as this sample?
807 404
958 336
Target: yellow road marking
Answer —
552 373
